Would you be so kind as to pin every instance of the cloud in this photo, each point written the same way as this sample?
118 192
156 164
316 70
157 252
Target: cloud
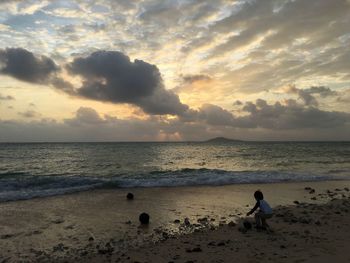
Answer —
277 116
189 79
85 116
110 76
29 114
307 95
88 125
6 97
24 65
292 116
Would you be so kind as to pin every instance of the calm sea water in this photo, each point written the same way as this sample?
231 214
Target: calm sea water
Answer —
43 169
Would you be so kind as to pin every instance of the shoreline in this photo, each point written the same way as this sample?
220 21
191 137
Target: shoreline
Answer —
81 224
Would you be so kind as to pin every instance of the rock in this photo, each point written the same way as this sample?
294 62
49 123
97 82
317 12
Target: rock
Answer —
307 188
130 196
282 246
91 238
231 224
59 247
196 249
144 218
187 221
58 221
242 230
128 222
247 225
221 244
202 220
177 221
6 236
312 191
296 202
318 223
346 189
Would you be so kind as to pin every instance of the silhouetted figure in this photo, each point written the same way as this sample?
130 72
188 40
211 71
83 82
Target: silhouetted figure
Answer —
265 211
130 196
144 218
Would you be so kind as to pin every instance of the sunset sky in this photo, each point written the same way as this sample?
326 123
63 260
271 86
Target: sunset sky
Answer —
132 70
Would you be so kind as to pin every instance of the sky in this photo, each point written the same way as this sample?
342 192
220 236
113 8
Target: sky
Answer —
174 70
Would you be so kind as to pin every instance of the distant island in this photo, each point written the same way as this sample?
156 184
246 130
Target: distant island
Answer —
222 140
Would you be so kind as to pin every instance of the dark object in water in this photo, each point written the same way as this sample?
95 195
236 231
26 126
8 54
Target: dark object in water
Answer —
247 225
144 218
130 196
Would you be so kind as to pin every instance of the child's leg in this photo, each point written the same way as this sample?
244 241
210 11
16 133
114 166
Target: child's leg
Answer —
258 219
263 219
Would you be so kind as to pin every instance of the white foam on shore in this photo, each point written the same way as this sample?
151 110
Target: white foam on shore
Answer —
24 186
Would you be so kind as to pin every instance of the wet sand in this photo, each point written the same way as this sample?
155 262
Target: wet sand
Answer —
102 226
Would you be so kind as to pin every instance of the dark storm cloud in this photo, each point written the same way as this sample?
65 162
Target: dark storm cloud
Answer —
110 76
24 65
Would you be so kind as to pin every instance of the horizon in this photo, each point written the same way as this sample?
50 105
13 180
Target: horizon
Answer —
174 71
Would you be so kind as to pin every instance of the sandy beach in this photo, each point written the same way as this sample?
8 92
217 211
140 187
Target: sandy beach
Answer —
102 226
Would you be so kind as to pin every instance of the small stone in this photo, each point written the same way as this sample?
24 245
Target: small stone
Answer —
177 221
296 202
231 224
312 191
58 221
187 221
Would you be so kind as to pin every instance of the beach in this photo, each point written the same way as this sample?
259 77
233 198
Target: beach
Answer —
102 225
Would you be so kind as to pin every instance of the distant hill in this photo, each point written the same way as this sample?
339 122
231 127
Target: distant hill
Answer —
221 140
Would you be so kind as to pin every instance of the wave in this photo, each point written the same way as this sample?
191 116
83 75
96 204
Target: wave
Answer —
19 186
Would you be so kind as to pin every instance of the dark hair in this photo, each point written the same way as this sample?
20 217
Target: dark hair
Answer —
258 195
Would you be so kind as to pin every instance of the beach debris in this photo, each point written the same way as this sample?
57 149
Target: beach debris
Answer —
130 196
144 218
187 221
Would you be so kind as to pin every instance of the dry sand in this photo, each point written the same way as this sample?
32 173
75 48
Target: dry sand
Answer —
102 226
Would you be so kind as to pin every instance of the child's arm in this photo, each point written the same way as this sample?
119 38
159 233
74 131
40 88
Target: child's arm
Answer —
254 208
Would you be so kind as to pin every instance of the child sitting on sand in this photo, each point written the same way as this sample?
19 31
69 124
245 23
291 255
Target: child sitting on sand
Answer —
265 211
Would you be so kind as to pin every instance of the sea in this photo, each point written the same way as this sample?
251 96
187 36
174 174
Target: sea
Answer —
30 170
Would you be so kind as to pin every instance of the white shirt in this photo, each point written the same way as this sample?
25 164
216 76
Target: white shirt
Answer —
265 207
